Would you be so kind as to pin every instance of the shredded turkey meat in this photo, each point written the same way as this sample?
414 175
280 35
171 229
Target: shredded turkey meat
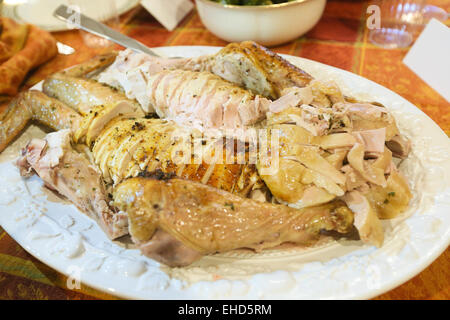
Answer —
204 99
331 148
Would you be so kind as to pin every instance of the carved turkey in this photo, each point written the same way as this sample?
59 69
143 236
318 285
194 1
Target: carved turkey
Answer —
138 174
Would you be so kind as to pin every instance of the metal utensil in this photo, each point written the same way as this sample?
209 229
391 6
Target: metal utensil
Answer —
66 14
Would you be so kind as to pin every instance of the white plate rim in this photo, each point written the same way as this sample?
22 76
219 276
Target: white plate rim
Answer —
437 248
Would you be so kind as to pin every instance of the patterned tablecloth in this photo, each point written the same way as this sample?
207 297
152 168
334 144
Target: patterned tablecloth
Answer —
340 39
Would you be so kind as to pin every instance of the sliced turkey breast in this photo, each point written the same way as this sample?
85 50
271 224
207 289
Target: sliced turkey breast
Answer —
245 64
204 99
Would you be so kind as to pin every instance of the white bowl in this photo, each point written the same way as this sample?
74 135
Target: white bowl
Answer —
268 25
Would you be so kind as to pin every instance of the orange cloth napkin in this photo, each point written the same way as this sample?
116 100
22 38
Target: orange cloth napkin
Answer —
22 48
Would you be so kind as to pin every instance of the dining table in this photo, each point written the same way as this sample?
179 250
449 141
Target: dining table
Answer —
340 39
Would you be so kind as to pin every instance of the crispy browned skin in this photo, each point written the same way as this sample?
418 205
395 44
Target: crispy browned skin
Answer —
281 73
35 105
81 94
96 64
130 147
207 220
256 68
55 114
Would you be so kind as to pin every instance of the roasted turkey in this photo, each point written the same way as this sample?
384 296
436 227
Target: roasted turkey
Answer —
239 149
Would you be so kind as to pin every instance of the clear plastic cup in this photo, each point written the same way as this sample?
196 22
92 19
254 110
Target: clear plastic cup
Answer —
399 21
104 11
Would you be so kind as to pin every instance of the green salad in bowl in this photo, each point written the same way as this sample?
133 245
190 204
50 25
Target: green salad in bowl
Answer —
268 22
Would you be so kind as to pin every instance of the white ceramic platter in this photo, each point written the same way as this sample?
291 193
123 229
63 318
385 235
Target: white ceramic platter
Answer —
55 232
40 12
